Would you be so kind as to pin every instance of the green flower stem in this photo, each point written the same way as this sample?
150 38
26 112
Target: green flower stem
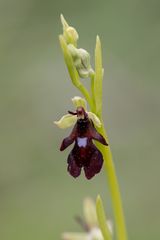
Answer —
106 151
92 77
86 95
114 189
102 219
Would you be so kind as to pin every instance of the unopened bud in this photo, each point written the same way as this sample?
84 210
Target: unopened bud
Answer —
70 34
81 59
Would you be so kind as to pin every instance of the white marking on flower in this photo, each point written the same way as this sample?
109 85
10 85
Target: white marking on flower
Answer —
82 142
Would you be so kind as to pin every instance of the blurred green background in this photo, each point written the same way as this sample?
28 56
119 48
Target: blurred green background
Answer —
38 199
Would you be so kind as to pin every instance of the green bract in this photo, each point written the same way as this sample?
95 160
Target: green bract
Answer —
69 62
105 228
98 77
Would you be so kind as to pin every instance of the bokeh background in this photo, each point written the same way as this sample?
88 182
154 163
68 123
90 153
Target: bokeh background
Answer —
38 199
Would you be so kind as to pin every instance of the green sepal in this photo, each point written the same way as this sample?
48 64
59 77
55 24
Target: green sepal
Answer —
95 119
66 121
79 102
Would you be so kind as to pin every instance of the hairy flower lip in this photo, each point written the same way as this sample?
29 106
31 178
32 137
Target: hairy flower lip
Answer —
84 155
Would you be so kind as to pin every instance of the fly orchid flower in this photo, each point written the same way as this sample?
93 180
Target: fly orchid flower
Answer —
89 223
84 153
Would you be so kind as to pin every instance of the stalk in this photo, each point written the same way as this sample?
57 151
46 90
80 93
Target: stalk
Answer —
114 189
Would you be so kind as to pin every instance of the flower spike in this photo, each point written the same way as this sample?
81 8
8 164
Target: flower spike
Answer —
87 154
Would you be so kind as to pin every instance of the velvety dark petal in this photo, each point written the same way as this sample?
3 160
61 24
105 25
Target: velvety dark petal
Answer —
96 135
69 140
100 139
95 165
88 173
73 168
66 142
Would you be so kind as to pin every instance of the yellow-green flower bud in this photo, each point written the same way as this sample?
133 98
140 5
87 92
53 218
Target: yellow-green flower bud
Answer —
81 59
70 34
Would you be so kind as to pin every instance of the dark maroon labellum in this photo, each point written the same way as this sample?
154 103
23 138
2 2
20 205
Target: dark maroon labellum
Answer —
84 153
